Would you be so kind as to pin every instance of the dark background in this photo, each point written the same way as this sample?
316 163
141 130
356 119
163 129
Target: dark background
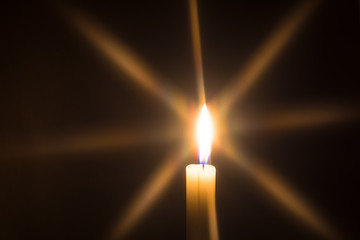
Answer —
54 83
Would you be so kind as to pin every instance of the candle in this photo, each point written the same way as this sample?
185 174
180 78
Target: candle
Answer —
200 187
200 200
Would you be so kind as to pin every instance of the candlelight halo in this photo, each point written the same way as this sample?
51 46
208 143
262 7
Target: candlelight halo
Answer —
143 76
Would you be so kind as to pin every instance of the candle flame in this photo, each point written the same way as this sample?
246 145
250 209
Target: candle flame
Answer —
205 132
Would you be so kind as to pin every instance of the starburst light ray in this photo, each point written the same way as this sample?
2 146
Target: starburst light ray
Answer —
126 61
148 194
283 193
250 73
292 119
196 41
104 139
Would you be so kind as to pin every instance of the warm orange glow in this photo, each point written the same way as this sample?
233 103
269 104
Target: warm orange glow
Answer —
205 134
126 61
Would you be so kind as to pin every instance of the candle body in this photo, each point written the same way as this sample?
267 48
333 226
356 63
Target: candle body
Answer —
200 202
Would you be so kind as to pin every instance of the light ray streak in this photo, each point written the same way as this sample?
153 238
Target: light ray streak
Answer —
265 55
90 141
195 31
303 118
128 62
148 195
283 193
282 120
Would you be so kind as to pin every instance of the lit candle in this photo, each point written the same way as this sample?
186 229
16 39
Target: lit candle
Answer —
200 187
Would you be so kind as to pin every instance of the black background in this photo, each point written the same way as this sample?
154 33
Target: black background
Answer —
54 83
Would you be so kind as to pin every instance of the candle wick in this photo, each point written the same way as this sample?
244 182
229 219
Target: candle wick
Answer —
203 165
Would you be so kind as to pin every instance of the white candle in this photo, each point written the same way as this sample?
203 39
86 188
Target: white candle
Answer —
200 202
200 187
